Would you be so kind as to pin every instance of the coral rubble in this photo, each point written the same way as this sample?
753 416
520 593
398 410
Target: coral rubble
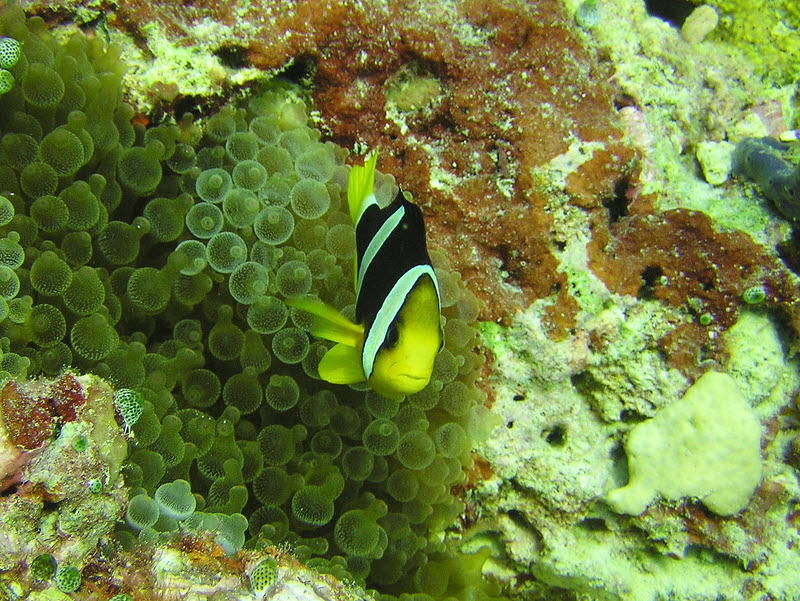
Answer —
50 504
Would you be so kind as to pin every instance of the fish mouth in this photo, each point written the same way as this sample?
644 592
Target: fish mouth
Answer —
410 384
394 370
409 378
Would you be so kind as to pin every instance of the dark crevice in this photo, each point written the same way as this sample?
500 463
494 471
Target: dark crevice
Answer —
651 279
621 100
555 436
594 525
510 261
707 284
235 57
673 12
628 416
582 381
49 506
196 106
617 205
300 71
789 251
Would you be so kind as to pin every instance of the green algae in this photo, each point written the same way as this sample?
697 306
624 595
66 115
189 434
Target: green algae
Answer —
768 33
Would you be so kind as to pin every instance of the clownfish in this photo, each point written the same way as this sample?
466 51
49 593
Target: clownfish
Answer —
398 332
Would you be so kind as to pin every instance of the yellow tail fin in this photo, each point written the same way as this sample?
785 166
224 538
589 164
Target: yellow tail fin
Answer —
360 185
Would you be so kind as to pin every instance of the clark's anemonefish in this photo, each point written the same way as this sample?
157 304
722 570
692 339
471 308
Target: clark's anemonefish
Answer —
398 331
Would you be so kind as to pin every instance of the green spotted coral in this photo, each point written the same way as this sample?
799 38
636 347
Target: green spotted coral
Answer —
10 52
6 81
67 579
43 567
263 575
129 405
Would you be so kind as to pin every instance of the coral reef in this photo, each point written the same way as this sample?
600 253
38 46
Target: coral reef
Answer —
708 286
573 160
162 259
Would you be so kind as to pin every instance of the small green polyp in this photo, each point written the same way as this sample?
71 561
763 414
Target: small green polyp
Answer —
43 567
754 295
6 81
588 15
9 52
68 579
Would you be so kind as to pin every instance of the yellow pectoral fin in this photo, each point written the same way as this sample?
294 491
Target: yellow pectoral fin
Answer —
342 365
329 323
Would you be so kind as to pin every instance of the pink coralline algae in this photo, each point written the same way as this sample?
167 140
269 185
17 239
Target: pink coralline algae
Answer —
67 397
29 413
28 418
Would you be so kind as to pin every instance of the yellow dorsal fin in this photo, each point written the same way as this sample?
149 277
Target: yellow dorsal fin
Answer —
360 184
329 323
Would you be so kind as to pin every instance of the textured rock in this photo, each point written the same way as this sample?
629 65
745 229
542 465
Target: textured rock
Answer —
50 504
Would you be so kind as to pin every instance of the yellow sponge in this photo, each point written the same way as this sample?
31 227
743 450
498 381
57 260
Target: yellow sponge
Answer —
707 445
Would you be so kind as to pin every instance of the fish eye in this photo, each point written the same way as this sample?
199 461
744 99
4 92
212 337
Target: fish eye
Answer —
392 336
